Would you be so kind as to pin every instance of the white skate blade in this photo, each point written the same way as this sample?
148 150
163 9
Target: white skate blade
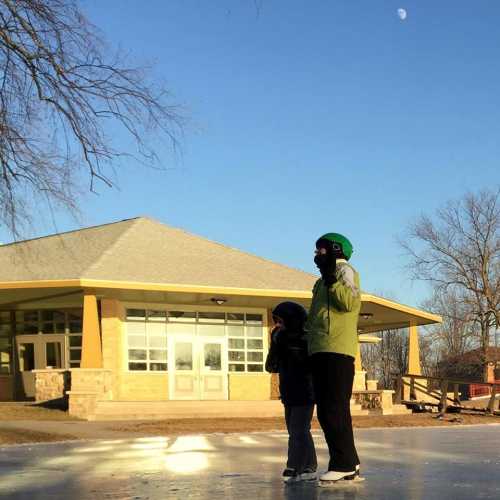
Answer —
341 483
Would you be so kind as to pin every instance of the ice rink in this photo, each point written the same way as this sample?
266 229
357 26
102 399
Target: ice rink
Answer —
418 463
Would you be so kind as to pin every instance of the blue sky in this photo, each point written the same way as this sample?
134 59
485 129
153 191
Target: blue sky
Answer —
310 117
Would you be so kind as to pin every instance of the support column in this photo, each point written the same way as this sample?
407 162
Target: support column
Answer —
357 362
359 383
413 351
91 338
409 391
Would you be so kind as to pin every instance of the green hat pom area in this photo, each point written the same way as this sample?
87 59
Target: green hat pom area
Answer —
341 240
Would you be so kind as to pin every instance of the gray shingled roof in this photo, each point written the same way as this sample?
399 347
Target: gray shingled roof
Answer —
144 250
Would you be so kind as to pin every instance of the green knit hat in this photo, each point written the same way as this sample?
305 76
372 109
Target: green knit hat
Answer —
341 240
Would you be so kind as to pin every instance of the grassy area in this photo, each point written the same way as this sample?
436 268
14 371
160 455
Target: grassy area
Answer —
16 411
175 427
228 425
15 436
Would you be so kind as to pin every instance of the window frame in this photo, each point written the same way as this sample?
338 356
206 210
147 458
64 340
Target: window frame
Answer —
228 321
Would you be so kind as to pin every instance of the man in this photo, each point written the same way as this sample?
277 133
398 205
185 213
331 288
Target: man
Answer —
333 342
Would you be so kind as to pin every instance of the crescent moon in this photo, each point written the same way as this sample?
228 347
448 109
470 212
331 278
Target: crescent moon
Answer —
402 14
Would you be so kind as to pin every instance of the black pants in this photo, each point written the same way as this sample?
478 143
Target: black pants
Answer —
301 451
333 376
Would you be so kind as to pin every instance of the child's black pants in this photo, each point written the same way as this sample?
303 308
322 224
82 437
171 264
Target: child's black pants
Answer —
301 451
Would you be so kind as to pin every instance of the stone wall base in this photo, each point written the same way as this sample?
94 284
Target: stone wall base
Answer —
51 386
88 386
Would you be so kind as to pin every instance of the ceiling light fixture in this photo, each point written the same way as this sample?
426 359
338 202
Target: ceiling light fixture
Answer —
366 316
218 300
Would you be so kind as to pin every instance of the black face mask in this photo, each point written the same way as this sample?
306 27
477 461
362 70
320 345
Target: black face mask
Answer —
322 261
327 264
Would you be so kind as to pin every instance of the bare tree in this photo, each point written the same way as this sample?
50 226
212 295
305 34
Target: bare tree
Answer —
457 333
386 358
458 253
63 97
389 357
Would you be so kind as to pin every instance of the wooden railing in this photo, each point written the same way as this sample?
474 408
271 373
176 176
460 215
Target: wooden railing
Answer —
441 395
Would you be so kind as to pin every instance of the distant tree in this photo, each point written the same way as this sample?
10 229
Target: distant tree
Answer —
64 96
457 333
458 253
388 357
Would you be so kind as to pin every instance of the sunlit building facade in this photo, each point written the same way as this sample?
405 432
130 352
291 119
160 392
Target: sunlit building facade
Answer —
139 311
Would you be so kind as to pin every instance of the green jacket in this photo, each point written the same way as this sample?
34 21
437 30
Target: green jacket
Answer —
336 330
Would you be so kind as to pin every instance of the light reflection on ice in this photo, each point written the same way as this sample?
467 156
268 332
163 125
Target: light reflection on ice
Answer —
185 463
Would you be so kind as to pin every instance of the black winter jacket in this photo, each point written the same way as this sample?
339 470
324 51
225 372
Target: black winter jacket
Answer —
289 358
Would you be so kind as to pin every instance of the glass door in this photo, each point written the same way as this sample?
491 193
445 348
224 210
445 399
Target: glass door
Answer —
38 352
213 368
26 364
183 368
54 354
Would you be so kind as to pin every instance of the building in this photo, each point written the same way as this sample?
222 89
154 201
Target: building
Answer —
139 311
475 365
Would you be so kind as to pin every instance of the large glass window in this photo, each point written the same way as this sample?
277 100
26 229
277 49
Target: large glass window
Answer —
147 340
147 332
245 343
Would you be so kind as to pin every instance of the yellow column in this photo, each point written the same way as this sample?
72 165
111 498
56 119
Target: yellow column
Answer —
413 351
357 362
91 339
111 334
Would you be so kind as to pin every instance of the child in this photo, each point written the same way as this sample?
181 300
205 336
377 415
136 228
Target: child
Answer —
288 356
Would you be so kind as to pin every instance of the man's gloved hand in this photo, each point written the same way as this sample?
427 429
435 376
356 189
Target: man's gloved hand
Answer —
327 265
329 274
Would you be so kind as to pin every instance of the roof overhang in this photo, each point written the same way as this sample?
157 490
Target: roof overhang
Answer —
376 314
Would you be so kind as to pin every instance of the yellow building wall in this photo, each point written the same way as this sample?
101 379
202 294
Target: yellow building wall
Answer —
144 387
128 386
249 387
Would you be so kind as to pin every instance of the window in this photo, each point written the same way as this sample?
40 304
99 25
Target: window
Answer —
245 342
147 332
5 342
147 340
54 321
74 329
181 316
27 322
211 317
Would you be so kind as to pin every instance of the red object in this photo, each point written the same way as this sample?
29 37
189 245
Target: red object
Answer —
477 390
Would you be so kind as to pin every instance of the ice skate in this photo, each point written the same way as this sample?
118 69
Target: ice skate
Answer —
308 475
336 478
290 475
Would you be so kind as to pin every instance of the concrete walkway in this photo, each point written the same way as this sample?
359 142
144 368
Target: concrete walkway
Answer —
420 463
